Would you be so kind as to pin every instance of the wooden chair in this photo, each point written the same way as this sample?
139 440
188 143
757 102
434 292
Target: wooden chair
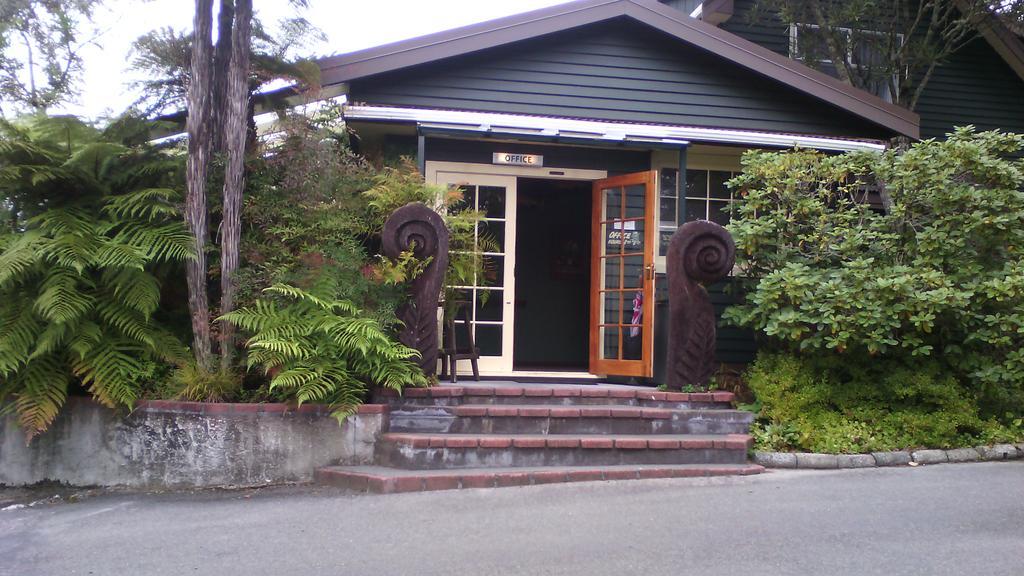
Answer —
451 352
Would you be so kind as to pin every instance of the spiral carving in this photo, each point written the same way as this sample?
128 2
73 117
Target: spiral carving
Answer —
418 228
700 252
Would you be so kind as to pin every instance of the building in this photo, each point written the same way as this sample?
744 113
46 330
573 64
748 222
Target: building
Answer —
588 131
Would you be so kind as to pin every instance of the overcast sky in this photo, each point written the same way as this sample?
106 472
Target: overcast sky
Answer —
349 25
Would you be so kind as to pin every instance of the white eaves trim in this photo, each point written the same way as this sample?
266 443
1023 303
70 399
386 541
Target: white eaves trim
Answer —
600 131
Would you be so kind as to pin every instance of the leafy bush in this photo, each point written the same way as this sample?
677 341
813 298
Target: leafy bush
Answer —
833 404
315 214
939 275
79 280
320 350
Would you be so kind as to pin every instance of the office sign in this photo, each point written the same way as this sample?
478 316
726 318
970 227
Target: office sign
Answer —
518 159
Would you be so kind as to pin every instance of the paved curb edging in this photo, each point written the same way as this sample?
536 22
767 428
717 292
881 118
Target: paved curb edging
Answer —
812 461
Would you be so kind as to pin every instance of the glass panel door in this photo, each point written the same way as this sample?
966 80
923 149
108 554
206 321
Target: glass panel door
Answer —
622 277
489 296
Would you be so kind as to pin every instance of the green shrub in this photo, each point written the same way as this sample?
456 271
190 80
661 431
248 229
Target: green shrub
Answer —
321 350
940 274
833 403
81 265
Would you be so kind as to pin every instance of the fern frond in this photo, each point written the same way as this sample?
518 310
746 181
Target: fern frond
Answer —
165 243
19 326
130 323
114 254
110 370
42 390
63 295
18 260
148 204
135 289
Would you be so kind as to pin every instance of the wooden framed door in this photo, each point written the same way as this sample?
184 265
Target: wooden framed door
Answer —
491 297
622 275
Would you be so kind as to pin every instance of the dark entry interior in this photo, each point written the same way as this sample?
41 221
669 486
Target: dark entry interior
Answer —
552 308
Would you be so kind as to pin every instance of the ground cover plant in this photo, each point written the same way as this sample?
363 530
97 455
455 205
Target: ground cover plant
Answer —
878 302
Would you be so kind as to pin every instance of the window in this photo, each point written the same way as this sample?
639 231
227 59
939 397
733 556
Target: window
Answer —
707 198
865 52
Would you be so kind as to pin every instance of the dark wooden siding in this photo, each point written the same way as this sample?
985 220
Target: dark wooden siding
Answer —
619 70
975 86
765 29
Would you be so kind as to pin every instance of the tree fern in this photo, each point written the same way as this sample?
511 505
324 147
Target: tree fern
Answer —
318 349
77 288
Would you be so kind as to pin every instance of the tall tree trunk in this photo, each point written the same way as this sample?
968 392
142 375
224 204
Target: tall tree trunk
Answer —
235 131
195 179
221 65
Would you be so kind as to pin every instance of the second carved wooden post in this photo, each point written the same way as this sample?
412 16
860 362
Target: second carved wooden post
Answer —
699 253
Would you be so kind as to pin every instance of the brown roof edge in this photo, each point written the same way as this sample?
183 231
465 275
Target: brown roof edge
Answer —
716 11
528 25
1003 40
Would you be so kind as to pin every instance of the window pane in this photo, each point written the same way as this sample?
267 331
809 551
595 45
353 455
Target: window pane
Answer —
667 182
467 201
610 342
613 237
489 305
488 339
668 210
613 307
696 184
718 189
635 199
696 209
633 272
613 203
612 271
494 271
632 342
719 212
461 336
496 232
492 201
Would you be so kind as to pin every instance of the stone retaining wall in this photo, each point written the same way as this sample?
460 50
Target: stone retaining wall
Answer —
164 444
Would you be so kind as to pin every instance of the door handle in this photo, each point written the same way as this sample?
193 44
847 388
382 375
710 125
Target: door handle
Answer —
650 271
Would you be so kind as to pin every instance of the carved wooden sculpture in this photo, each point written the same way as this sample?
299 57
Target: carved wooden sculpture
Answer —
700 253
418 228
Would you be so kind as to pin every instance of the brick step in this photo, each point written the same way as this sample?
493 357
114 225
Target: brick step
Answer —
383 479
441 451
586 419
557 395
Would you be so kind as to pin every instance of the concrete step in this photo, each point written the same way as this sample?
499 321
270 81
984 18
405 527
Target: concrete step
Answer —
443 451
586 419
383 479
557 395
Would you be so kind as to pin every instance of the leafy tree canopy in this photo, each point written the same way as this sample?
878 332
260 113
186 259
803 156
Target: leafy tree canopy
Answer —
40 51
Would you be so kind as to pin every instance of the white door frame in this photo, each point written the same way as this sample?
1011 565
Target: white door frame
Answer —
449 173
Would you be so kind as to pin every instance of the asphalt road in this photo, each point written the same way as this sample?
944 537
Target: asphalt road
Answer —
948 519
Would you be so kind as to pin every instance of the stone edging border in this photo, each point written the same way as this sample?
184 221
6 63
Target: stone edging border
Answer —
809 461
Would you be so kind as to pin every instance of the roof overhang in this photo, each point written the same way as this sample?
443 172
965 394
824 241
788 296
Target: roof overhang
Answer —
760 60
714 11
611 133
1003 40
